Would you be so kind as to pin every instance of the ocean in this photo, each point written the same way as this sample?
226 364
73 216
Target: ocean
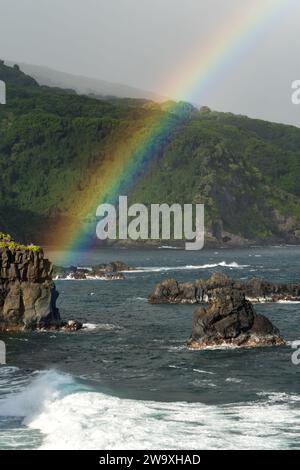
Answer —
127 381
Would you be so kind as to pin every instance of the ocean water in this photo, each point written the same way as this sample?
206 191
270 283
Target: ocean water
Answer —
128 381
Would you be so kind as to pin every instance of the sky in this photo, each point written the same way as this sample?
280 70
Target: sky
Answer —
150 44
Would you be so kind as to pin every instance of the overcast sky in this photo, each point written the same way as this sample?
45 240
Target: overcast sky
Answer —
148 43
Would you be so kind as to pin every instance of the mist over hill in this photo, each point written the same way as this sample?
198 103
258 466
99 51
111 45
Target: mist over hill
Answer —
84 85
57 146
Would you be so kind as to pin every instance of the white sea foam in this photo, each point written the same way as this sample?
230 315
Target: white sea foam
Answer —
200 371
233 380
167 247
223 347
181 347
90 326
154 269
88 277
260 300
172 366
266 300
224 264
204 383
101 326
70 418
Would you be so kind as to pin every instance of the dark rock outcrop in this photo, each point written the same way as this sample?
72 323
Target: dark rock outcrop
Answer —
27 293
109 272
230 319
201 290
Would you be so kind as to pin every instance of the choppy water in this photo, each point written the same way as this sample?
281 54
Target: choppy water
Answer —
128 381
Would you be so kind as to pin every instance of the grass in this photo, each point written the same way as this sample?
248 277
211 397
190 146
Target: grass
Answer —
6 241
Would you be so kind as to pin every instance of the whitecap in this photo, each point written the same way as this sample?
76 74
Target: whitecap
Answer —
223 346
101 326
177 367
167 247
233 380
224 264
200 371
70 416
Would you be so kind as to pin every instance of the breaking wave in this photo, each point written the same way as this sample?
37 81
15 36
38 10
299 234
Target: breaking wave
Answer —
70 415
101 326
188 267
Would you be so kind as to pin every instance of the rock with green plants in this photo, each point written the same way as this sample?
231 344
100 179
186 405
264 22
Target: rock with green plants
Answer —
27 292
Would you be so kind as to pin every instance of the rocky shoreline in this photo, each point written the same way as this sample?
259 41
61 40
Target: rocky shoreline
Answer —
201 290
28 294
28 299
107 272
231 320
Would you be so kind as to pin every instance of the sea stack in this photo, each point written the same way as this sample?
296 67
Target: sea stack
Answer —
201 290
230 319
27 293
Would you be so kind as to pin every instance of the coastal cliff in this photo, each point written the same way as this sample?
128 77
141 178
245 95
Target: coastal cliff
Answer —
27 293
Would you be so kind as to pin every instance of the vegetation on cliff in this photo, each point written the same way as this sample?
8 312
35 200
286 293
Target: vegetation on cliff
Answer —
54 143
6 241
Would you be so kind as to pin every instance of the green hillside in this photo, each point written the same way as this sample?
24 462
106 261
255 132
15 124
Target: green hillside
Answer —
54 144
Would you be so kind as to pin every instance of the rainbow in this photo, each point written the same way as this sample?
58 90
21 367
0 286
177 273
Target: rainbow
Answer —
201 71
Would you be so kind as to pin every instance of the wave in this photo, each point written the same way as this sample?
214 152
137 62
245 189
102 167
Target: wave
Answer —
101 326
167 247
223 264
71 416
10 380
70 277
200 371
204 383
233 380
270 300
154 269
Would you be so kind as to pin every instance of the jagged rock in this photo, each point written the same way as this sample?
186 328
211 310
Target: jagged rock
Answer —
114 266
27 293
110 271
72 325
230 319
201 290
165 292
